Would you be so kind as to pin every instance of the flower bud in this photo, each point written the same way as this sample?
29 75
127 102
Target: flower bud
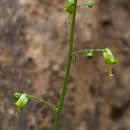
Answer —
90 4
17 95
21 102
109 57
69 7
109 60
90 55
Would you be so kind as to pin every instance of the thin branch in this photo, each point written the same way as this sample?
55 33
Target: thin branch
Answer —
86 50
43 101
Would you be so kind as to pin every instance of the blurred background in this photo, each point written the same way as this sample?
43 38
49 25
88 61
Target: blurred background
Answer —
34 37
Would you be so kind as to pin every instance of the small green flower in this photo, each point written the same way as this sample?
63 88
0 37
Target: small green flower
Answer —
90 55
109 57
109 60
17 95
69 7
21 102
90 4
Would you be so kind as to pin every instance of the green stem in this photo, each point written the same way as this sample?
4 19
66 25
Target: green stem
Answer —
64 89
43 101
82 4
86 50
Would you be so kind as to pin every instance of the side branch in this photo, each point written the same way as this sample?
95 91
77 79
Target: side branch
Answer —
22 99
86 51
43 101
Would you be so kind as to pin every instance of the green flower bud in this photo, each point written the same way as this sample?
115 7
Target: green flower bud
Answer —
21 102
69 7
90 4
109 60
17 95
109 57
90 55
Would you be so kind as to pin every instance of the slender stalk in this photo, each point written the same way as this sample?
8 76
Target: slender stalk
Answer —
64 89
43 101
82 4
86 50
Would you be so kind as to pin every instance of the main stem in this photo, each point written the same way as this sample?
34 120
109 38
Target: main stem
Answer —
64 89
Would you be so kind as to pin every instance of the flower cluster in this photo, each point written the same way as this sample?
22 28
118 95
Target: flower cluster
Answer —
108 58
70 4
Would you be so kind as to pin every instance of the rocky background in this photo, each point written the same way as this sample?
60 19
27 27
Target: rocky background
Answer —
34 37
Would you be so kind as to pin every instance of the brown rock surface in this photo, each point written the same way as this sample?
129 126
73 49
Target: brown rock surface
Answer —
33 51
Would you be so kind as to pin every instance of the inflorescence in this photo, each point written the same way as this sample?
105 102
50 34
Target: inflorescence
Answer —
23 98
